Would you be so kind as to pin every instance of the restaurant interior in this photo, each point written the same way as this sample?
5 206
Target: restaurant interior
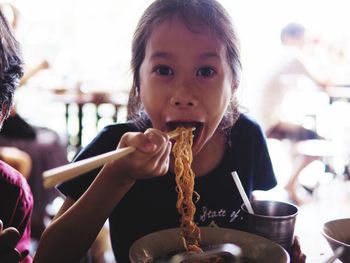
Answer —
77 56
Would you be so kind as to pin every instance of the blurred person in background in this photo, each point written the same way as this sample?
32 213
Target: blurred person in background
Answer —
282 108
15 126
43 145
13 156
16 200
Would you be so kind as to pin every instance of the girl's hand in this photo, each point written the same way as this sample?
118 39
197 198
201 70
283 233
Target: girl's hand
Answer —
297 255
150 159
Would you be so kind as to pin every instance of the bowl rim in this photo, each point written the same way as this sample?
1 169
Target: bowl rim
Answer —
327 236
282 252
279 217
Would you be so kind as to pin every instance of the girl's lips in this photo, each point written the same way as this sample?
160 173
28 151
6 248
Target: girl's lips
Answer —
197 125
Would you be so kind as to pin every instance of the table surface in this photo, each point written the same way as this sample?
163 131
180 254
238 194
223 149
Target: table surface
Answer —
68 97
339 92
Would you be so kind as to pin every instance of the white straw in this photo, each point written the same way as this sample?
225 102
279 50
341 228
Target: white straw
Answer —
242 192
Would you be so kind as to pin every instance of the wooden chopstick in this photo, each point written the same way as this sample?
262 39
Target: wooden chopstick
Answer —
69 171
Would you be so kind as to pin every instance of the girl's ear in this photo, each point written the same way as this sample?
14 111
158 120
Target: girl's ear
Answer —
235 84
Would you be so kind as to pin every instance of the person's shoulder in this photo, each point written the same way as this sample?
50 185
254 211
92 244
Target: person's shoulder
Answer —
13 179
10 174
246 122
246 129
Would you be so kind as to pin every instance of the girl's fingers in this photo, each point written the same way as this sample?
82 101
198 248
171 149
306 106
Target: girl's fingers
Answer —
160 162
147 142
156 137
151 156
165 161
155 163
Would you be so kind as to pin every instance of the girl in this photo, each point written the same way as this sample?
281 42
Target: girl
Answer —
185 61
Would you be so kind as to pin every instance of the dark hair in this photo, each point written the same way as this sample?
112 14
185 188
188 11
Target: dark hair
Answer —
195 14
292 30
11 65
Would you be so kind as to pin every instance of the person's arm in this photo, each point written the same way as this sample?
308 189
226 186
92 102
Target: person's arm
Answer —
322 82
77 224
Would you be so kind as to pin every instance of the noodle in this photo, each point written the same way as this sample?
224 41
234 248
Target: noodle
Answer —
184 176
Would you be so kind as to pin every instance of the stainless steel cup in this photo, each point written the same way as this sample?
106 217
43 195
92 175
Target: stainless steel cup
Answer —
273 220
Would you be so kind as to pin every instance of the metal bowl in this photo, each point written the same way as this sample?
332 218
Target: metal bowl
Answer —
163 244
337 233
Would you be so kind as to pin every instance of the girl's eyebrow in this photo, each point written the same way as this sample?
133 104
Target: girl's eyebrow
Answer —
161 54
207 55
202 56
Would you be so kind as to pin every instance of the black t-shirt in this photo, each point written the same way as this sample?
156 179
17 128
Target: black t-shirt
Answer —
150 205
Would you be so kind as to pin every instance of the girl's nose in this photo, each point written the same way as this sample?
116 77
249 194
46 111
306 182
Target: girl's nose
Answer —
183 98
184 92
182 103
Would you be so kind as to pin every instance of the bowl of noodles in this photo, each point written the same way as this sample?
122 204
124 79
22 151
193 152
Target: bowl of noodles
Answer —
161 246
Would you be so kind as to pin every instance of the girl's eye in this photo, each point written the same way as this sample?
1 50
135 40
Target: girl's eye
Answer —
164 71
205 72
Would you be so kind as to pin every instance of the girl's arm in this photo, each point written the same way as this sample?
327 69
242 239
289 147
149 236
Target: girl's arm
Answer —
77 224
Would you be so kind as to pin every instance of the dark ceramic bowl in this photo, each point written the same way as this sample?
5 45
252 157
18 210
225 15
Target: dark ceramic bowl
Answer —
165 243
337 233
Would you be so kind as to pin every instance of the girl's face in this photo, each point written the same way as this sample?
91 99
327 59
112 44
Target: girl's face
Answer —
185 80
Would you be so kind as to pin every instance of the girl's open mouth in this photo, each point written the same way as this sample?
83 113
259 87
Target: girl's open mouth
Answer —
172 125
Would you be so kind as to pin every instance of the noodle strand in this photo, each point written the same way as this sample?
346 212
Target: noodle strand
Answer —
184 177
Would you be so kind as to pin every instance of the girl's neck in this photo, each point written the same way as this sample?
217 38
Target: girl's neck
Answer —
209 157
